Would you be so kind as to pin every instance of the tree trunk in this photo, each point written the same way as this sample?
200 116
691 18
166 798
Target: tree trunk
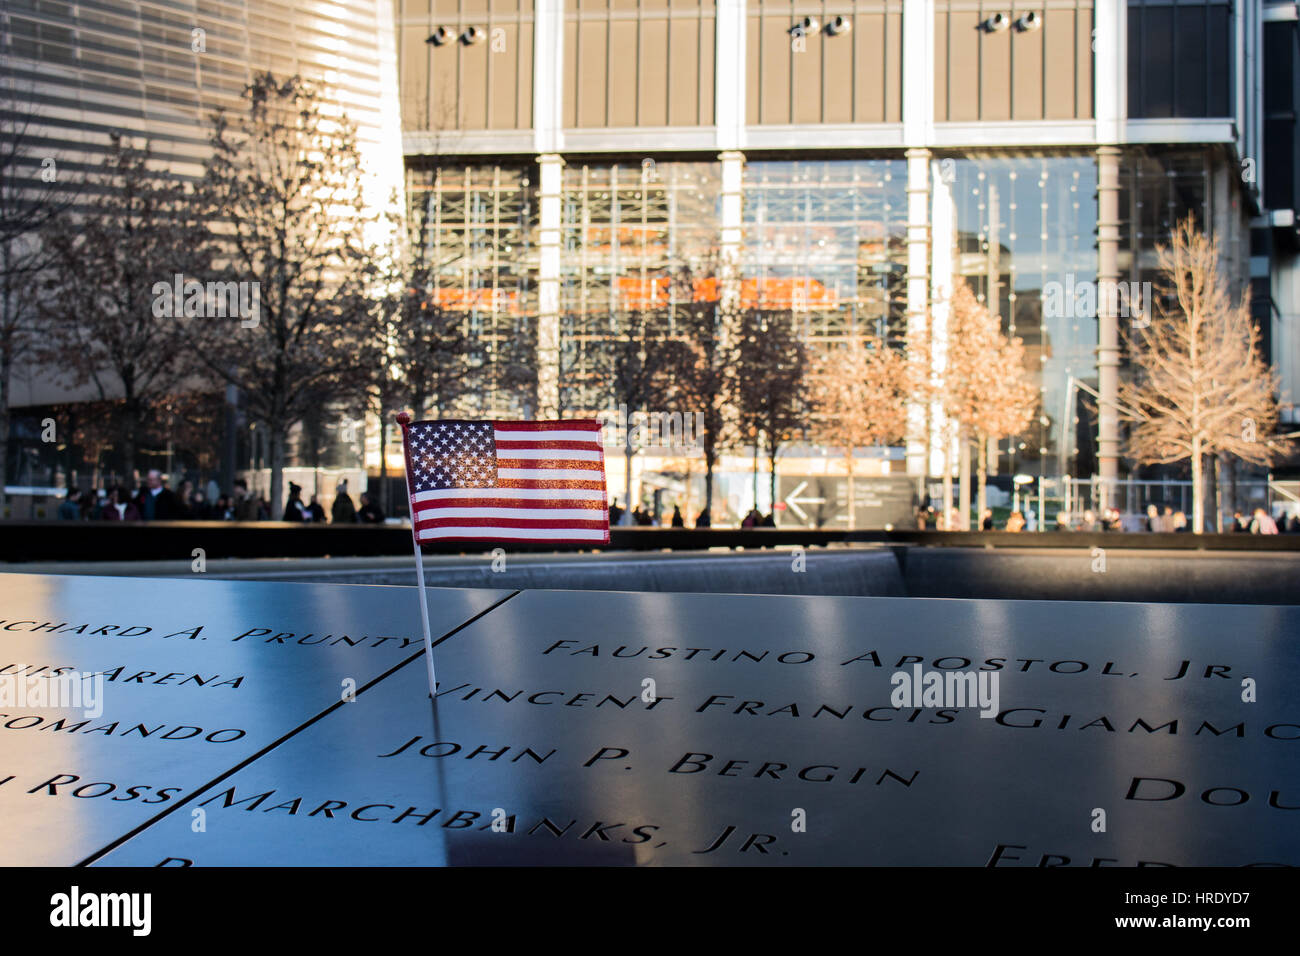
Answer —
945 513
383 463
277 470
771 464
128 435
848 463
1232 483
981 480
963 481
708 485
755 472
1198 492
1218 492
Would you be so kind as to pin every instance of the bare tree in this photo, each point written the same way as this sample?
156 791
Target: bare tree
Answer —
283 194
986 388
858 394
701 361
642 376
584 364
1202 386
417 350
771 384
111 264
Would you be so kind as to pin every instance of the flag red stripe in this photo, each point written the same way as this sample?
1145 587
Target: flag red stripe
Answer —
549 483
505 501
581 424
595 524
574 464
548 445
505 535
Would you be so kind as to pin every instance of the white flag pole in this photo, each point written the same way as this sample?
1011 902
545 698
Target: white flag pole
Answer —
404 420
424 611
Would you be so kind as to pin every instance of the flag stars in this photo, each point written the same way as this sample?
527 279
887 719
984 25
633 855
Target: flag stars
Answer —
453 455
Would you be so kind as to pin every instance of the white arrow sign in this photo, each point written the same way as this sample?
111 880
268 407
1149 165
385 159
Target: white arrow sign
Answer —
794 502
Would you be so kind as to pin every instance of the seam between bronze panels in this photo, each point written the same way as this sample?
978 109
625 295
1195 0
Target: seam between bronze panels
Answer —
199 791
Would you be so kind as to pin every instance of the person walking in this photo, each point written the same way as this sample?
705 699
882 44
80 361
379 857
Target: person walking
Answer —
1263 523
294 510
70 509
118 507
200 510
370 512
156 501
343 511
678 521
244 504
314 511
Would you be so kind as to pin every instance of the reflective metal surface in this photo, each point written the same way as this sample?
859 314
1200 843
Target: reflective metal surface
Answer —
196 677
768 738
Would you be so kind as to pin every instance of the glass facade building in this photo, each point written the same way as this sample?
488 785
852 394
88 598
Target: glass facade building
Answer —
475 226
158 70
1020 226
565 163
826 240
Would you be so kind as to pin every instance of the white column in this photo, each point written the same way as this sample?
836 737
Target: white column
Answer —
1110 81
550 181
918 134
548 76
918 72
1107 321
729 73
918 293
1110 69
942 242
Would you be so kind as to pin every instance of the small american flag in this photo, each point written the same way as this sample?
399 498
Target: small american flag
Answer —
507 481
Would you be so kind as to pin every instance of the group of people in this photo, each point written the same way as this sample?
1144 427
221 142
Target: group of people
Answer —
1261 522
342 510
1158 520
154 501
645 519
